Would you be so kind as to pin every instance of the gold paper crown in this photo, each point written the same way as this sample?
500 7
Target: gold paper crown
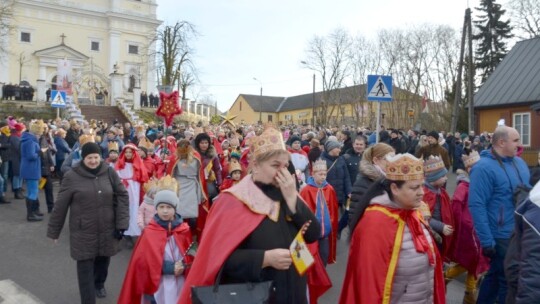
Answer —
424 210
234 165
149 185
113 146
432 164
139 129
471 159
37 127
85 138
270 139
167 183
404 167
320 165
145 143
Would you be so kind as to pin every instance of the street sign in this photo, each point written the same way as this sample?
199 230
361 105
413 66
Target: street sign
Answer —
379 88
58 99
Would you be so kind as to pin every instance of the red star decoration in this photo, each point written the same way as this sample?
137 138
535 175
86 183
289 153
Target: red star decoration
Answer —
168 106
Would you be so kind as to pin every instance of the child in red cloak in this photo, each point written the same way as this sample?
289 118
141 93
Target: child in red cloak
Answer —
442 220
160 260
235 174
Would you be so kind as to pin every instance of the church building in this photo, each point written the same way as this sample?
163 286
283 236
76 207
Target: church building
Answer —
96 37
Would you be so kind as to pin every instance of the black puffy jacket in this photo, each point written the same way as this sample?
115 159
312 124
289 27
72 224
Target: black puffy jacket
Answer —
522 262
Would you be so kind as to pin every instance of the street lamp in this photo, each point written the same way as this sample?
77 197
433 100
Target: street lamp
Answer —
312 98
260 101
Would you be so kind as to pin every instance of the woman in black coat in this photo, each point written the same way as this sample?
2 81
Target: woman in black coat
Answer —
98 205
372 168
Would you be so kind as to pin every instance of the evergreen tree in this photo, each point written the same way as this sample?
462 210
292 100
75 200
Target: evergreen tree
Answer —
492 32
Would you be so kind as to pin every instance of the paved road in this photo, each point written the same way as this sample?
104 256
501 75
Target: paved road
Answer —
46 271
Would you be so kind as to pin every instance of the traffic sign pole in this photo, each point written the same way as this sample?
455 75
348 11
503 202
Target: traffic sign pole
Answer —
378 129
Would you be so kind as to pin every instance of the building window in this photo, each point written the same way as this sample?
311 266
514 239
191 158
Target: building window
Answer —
25 37
94 46
270 118
133 49
522 123
240 106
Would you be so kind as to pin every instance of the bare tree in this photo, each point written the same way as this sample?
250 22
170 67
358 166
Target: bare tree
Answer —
525 16
328 56
6 27
174 51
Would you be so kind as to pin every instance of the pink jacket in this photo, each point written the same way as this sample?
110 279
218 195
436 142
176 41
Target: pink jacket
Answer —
145 214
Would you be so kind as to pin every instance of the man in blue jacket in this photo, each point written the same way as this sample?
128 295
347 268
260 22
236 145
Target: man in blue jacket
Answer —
493 181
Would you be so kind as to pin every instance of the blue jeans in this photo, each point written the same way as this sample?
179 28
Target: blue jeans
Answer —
16 182
4 170
494 284
32 190
324 249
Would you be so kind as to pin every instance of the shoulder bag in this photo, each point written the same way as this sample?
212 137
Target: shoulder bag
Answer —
241 293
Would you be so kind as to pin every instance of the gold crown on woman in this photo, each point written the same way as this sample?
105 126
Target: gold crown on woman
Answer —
433 163
145 143
404 167
471 159
269 140
320 165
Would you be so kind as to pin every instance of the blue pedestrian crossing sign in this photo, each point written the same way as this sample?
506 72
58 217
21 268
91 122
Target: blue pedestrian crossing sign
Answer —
379 88
58 99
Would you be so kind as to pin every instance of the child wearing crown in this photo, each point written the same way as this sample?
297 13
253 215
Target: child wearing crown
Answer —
466 252
161 258
392 255
235 174
147 210
113 153
321 198
435 195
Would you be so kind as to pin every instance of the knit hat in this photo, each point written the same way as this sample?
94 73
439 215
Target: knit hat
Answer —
168 197
90 148
19 127
434 168
433 134
294 138
331 145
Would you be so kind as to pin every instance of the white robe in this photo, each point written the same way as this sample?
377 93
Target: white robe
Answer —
170 286
134 190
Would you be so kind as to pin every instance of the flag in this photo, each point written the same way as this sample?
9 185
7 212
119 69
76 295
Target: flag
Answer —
300 254
425 108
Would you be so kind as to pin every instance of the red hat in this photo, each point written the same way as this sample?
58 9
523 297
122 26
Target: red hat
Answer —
19 127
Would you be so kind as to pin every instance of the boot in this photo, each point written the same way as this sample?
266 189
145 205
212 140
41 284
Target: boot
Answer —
35 207
30 216
469 297
3 200
19 194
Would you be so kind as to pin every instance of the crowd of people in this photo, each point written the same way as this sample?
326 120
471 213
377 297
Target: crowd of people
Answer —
198 204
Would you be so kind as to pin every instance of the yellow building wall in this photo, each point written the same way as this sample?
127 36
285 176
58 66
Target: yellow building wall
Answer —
244 112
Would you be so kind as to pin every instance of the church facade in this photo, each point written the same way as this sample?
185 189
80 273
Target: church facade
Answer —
96 37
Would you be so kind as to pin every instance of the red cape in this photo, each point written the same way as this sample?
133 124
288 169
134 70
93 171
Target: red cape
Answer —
373 255
219 241
466 249
144 270
446 215
309 194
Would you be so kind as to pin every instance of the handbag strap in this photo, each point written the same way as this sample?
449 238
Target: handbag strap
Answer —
499 160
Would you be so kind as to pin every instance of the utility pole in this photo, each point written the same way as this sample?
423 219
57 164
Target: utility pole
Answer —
466 34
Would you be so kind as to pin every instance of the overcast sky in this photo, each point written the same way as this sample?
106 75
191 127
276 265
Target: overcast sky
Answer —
243 39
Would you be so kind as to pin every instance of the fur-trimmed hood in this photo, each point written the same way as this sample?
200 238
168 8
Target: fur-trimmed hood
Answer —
210 153
368 169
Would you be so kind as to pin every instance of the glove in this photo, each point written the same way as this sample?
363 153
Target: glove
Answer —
118 233
489 252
